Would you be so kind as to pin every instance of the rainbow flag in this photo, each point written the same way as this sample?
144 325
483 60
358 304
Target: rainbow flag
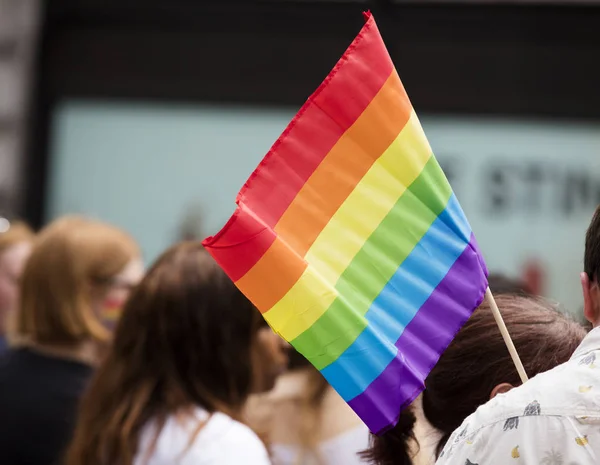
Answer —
349 239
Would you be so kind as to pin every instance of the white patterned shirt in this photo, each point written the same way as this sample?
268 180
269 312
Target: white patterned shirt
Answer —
553 419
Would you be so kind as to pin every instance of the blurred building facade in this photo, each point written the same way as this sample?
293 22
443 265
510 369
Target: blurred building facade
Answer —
19 21
151 114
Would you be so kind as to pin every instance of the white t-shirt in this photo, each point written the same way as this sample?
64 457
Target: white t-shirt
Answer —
221 441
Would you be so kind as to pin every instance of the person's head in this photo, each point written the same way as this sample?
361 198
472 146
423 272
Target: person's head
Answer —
76 269
590 278
477 366
15 247
187 337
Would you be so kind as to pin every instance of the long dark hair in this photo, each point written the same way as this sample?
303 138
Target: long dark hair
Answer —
185 338
477 361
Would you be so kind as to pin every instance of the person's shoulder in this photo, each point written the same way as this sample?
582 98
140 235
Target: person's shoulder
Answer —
568 393
532 439
10 357
204 439
566 390
223 426
15 369
230 442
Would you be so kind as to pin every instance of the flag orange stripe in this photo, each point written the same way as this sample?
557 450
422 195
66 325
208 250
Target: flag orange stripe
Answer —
272 276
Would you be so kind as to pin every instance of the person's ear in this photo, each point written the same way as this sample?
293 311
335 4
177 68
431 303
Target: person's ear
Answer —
591 305
500 389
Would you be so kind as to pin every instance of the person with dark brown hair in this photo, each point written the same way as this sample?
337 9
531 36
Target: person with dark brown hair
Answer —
187 352
476 367
553 418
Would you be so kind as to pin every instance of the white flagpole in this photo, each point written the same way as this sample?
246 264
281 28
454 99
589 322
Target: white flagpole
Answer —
507 340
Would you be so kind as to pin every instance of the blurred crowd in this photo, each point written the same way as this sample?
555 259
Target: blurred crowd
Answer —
106 363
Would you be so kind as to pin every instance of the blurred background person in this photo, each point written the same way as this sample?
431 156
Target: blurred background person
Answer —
15 247
476 367
500 283
188 351
75 266
306 422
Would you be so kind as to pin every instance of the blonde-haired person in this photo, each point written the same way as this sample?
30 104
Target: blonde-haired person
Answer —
76 267
305 422
15 247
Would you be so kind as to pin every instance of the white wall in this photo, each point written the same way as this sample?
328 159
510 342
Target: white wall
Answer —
528 188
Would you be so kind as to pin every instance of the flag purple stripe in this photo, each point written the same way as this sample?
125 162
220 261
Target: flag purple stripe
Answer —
423 341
